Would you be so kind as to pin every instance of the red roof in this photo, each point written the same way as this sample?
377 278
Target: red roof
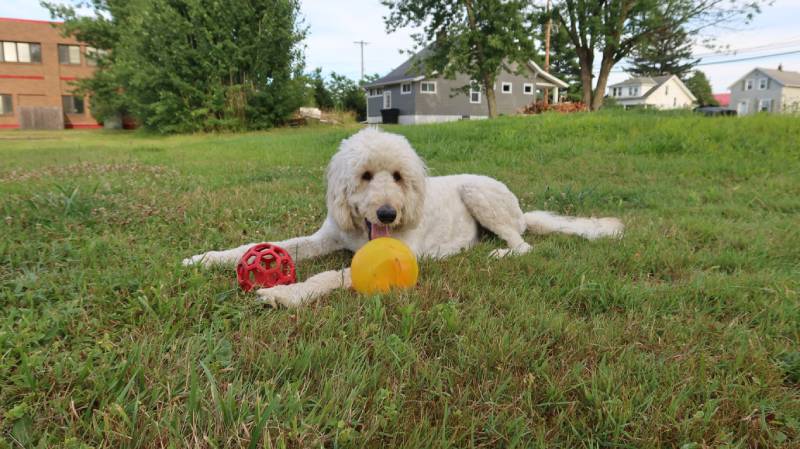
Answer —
723 99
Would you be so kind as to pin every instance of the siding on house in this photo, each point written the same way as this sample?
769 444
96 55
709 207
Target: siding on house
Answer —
746 102
790 101
451 101
662 92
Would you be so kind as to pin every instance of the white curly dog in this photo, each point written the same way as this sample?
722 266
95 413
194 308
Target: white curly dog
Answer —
378 186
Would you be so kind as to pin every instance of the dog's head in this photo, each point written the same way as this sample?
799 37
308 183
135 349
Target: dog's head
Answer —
376 183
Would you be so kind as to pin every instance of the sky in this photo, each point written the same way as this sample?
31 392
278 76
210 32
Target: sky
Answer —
334 26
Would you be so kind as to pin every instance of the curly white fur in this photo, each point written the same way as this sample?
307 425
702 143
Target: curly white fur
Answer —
434 216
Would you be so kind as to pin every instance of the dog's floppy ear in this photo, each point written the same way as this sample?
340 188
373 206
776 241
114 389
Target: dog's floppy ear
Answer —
339 188
415 197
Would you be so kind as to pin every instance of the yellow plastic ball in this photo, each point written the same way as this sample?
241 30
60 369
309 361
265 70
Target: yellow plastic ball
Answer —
383 264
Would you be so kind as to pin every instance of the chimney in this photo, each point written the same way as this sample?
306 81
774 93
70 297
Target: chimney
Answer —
780 67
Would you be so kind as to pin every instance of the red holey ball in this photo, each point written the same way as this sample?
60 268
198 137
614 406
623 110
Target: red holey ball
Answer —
265 265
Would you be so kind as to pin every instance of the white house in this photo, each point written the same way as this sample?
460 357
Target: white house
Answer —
661 92
766 90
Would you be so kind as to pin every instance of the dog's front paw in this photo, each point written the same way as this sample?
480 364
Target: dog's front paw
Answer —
289 296
205 259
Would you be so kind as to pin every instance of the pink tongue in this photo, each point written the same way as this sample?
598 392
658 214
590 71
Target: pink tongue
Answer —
379 230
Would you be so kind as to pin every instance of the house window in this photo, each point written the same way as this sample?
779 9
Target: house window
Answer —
72 104
405 88
93 55
505 88
527 89
427 87
762 84
376 92
765 105
69 54
475 94
748 85
666 90
674 101
20 52
6 108
633 91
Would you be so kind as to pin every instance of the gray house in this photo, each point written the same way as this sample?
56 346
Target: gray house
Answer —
422 99
766 90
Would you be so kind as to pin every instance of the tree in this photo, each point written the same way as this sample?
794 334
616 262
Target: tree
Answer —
322 96
701 88
666 52
475 37
613 28
194 65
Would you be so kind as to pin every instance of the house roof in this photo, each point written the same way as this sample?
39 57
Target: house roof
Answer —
656 81
784 77
723 99
404 72
408 72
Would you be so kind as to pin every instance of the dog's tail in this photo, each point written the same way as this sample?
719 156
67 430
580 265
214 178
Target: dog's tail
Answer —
541 222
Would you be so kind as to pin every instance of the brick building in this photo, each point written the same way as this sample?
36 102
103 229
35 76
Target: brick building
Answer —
37 67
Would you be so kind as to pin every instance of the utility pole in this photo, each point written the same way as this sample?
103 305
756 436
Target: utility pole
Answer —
362 44
547 28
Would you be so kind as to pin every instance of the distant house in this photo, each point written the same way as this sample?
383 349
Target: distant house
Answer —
427 99
723 99
661 92
766 90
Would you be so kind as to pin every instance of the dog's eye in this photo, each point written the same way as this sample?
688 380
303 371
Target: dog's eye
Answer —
367 176
397 177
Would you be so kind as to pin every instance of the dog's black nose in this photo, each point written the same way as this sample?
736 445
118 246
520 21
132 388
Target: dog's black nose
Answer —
386 214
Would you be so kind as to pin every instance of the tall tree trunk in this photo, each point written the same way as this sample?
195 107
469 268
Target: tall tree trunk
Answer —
586 59
602 81
488 87
547 28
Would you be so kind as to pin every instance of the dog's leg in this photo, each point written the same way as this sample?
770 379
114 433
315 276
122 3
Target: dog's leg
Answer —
302 293
320 243
497 209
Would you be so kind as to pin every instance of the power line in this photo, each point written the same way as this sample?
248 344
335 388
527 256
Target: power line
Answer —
751 58
731 61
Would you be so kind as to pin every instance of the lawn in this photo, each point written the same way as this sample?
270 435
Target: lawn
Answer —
684 333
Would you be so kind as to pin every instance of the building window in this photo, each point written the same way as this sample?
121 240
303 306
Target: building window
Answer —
405 88
69 54
762 84
475 94
527 89
674 101
633 91
72 104
21 52
93 55
376 92
765 105
6 108
427 87
505 88
748 85
666 90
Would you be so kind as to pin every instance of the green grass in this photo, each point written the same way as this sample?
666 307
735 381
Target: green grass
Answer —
682 334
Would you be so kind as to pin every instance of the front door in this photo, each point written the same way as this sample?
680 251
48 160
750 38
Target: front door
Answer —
387 99
742 109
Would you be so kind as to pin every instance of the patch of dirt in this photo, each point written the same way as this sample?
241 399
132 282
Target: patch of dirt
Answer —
84 169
